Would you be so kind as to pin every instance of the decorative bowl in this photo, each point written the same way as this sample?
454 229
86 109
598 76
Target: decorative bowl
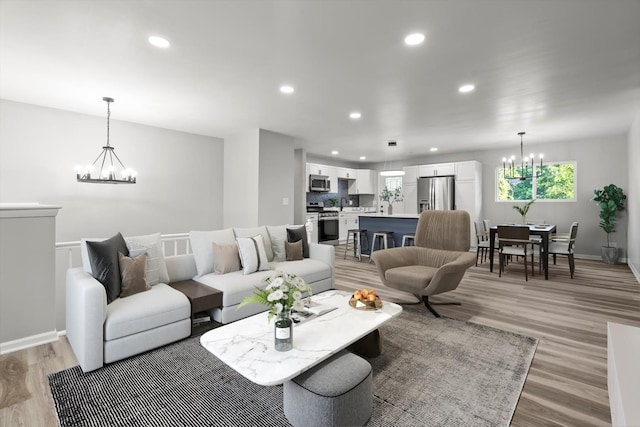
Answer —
365 305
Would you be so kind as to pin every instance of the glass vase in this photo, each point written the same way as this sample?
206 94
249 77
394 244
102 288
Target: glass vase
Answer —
390 209
283 331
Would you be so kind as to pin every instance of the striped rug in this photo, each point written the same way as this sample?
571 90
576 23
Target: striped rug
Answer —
434 372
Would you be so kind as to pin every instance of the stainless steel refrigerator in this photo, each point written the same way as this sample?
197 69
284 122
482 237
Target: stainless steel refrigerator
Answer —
436 193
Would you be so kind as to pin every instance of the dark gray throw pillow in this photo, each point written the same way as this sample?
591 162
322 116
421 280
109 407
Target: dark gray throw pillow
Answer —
103 257
299 233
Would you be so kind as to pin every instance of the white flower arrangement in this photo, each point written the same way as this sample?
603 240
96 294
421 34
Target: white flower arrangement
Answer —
282 293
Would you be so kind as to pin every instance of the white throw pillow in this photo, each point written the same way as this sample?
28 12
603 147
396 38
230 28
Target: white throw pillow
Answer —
202 248
254 231
278 235
156 265
252 254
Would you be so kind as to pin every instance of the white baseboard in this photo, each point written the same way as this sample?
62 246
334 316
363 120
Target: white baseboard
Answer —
634 271
33 340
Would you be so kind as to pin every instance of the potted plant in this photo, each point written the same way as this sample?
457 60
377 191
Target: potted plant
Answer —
390 197
610 200
522 210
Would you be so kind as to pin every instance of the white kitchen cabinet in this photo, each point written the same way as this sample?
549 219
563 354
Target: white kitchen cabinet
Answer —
469 193
332 172
410 190
347 173
348 221
467 171
439 169
316 169
410 201
410 175
342 227
365 183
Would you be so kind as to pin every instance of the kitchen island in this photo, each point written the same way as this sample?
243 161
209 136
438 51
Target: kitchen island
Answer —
398 223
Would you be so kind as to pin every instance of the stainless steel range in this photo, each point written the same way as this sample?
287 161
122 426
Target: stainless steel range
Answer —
327 223
328 227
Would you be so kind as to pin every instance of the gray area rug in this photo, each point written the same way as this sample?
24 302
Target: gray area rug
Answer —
432 372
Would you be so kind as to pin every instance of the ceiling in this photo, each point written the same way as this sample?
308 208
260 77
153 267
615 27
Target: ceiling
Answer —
555 69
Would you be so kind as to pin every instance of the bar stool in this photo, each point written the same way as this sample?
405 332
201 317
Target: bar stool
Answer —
409 238
384 236
358 233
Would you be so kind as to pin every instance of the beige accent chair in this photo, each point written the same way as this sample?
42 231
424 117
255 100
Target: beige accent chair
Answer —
436 263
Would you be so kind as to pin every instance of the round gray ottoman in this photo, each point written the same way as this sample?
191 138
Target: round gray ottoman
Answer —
336 392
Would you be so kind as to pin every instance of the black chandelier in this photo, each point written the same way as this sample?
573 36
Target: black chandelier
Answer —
526 169
108 170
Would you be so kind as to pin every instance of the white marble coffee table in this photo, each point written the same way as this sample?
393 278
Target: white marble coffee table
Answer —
247 345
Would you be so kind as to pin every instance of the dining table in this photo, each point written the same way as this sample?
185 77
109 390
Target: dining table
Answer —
542 230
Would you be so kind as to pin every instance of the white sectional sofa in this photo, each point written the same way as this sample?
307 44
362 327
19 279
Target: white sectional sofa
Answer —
102 333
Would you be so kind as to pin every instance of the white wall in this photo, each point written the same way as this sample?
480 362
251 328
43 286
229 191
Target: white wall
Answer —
241 168
179 184
633 197
276 176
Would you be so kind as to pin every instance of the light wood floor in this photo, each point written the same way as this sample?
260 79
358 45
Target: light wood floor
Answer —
567 382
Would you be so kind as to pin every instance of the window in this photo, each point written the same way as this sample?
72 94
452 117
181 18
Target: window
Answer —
556 181
393 182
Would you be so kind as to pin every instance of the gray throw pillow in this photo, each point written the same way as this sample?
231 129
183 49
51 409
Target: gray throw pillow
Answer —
299 233
103 257
134 274
293 250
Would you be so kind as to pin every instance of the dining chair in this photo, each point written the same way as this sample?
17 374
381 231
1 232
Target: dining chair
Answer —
563 245
482 242
513 240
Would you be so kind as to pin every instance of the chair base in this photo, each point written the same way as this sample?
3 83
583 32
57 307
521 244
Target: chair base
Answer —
430 305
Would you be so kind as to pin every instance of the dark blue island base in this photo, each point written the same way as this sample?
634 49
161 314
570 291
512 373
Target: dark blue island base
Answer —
398 224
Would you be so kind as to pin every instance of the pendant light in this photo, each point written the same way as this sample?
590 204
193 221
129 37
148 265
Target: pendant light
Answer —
391 171
108 172
526 168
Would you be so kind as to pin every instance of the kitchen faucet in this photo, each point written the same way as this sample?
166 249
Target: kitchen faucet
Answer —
341 205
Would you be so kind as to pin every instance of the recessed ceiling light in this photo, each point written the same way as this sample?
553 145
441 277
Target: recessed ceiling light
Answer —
355 115
414 39
363 158
466 88
433 149
159 42
286 89
334 152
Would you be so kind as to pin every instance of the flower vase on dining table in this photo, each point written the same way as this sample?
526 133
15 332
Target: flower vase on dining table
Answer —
283 331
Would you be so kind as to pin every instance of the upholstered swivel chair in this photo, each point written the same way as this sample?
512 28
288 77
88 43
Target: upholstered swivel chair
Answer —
436 263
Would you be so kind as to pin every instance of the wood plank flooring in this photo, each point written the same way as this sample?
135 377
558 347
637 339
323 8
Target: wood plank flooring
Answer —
567 382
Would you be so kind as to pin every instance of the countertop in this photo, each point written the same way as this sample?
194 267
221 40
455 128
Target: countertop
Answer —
378 215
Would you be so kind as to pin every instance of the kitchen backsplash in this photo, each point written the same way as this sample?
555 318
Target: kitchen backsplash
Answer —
343 191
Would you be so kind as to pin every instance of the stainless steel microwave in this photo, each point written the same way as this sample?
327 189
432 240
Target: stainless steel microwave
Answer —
319 183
